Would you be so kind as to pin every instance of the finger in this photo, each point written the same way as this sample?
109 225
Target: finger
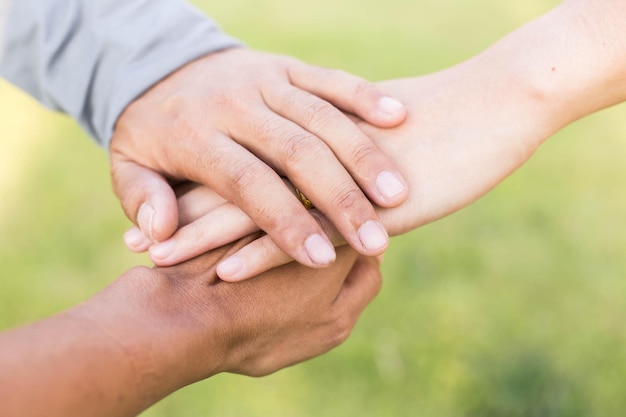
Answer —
349 93
253 259
136 241
196 202
263 254
362 284
336 284
203 234
146 197
366 163
313 168
250 184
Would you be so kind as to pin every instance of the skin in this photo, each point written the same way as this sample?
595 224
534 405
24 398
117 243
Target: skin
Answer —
237 131
470 126
154 331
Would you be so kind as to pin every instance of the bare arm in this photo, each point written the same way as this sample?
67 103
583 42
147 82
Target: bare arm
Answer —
471 125
474 124
154 331
159 84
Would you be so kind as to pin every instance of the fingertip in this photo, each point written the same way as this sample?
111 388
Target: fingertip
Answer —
391 112
136 241
320 251
145 220
392 188
381 110
231 269
253 259
390 106
158 215
161 252
373 237
147 198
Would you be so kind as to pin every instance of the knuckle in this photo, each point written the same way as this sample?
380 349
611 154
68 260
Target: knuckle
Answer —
324 72
266 130
299 149
243 176
347 199
317 113
342 329
268 251
363 152
289 227
363 87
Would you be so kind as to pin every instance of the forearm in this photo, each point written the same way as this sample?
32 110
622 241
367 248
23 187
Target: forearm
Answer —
63 366
90 59
562 66
153 331
570 62
107 357
470 126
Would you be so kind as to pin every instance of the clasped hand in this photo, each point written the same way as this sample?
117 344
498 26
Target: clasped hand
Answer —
239 122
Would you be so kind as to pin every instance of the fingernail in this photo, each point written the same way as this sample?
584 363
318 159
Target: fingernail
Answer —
145 218
229 267
390 106
134 237
373 236
319 250
162 250
389 184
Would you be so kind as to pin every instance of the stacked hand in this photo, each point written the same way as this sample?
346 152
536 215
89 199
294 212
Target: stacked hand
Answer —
154 331
237 121
448 163
468 127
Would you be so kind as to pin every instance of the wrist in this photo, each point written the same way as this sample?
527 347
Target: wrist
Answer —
152 319
568 63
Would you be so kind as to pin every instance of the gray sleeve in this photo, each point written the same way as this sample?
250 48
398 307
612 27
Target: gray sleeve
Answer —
91 58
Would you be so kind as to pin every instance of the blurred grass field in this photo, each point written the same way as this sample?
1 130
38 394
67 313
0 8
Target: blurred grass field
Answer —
512 307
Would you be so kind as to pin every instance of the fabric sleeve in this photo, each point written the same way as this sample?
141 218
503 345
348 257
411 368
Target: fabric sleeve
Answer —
91 58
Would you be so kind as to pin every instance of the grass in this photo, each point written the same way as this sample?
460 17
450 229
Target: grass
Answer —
511 307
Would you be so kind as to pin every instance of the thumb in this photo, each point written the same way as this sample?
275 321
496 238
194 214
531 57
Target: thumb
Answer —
146 197
349 93
361 285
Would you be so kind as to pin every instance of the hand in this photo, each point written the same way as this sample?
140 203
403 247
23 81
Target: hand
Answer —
255 327
470 126
236 130
154 331
466 131
261 356
208 221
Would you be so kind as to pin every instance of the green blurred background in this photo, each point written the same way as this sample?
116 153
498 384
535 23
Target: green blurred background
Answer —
513 307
